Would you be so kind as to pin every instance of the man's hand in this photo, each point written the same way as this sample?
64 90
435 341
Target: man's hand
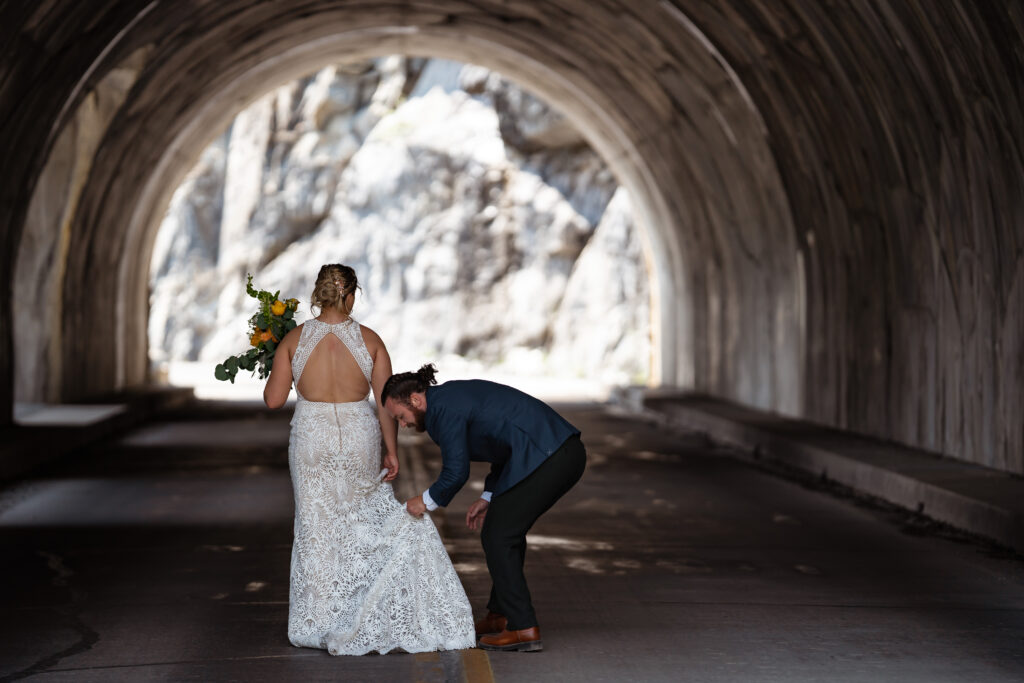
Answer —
390 463
415 506
477 512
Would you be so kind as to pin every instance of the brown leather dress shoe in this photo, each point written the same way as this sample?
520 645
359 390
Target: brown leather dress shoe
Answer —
524 640
492 623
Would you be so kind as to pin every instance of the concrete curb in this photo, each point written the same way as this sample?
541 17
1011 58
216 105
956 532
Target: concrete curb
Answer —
23 448
969 497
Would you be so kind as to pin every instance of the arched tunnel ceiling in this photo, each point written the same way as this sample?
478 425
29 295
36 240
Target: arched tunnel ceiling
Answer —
833 191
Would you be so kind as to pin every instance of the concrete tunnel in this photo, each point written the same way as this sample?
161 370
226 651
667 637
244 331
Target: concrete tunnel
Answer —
830 194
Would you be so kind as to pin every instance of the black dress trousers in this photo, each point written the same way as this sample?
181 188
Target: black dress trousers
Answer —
510 516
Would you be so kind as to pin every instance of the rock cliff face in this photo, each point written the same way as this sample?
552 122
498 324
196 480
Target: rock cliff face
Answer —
479 222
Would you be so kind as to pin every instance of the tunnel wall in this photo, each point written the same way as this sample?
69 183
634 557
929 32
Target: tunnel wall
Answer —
832 191
897 129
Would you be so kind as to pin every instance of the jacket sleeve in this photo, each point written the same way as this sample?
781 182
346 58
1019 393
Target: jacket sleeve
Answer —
454 460
492 478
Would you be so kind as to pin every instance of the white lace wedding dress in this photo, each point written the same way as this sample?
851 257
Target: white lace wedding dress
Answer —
365 574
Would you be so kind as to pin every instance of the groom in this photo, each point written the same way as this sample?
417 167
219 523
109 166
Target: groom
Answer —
535 455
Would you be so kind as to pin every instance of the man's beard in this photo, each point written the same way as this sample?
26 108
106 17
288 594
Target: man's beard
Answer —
419 417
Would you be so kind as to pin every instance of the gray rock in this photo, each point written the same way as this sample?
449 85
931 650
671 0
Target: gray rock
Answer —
464 244
527 123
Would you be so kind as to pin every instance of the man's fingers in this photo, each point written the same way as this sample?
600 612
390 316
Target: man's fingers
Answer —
474 520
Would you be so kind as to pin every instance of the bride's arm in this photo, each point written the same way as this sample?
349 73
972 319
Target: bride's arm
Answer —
279 385
381 373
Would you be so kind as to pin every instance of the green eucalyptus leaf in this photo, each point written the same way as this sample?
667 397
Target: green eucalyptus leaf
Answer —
259 359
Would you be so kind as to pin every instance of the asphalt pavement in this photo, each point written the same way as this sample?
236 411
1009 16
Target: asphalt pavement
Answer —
162 555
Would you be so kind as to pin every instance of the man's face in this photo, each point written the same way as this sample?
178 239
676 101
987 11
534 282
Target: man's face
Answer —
409 415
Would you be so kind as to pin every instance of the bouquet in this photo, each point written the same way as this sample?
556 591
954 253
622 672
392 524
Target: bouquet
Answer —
271 322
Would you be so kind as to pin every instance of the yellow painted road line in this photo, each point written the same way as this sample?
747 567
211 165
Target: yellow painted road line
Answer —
428 667
477 666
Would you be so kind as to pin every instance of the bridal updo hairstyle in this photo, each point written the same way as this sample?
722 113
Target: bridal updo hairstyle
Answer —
334 283
399 387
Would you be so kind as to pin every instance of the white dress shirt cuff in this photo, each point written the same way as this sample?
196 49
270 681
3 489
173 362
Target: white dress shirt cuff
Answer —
428 501
486 495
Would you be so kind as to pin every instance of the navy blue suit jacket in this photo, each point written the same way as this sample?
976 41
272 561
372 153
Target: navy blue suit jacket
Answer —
489 422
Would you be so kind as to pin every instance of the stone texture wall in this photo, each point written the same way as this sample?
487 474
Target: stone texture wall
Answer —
39 274
831 192
474 214
897 129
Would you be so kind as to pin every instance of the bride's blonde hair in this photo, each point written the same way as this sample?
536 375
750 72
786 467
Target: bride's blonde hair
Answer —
334 283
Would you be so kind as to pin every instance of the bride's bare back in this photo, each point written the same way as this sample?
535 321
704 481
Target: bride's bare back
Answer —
327 371
332 375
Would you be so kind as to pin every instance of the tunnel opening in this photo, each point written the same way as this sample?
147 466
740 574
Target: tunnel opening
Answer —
688 145
488 236
833 197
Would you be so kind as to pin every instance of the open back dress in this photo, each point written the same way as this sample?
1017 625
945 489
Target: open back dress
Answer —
366 576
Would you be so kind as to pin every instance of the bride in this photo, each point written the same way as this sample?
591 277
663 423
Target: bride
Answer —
366 576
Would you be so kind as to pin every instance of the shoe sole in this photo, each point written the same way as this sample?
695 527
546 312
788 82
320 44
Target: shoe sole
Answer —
530 646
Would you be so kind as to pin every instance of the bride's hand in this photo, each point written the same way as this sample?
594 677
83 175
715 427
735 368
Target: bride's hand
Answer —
477 512
390 463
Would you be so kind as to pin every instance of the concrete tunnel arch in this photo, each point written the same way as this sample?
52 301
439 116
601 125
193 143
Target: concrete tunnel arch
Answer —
111 247
837 190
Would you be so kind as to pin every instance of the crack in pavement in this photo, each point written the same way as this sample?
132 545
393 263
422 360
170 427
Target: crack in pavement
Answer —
86 636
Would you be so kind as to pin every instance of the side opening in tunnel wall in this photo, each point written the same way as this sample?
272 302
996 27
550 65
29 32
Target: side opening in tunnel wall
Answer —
488 236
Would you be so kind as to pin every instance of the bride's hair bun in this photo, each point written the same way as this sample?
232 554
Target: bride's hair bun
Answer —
399 387
334 283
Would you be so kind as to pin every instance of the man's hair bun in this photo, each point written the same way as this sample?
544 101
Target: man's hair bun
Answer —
400 386
427 372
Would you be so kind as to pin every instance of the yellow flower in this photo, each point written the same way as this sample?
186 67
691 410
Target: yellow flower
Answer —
278 307
254 340
267 335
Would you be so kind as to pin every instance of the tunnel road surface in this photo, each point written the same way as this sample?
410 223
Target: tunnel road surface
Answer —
163 556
